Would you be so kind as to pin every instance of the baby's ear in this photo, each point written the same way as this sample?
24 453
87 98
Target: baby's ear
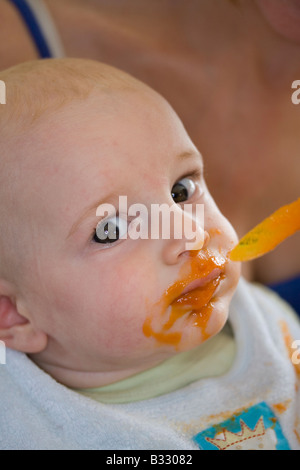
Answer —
16 331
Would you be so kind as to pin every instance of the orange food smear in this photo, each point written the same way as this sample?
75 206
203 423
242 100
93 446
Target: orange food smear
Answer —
215 231
281 407
269 233
197 303
297 435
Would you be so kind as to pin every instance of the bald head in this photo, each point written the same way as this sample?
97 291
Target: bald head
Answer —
36 88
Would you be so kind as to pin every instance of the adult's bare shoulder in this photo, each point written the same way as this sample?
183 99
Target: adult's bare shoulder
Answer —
15 43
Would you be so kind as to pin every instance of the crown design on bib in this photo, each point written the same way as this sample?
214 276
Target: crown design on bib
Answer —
237 440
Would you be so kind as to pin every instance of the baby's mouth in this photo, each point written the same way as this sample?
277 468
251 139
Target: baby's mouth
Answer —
197 293
207 271
191 298
197 287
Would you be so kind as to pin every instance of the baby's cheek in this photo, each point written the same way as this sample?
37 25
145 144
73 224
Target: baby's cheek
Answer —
121 332
137 280
124 303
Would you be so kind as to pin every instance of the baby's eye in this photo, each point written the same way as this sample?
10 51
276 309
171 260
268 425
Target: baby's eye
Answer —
110 230
183 190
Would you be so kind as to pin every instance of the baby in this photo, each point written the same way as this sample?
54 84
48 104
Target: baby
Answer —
119 341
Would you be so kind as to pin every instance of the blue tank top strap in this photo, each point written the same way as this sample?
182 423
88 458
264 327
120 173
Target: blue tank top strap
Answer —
34 28
290 291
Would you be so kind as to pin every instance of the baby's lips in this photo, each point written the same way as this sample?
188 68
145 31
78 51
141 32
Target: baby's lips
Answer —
204 267
197 283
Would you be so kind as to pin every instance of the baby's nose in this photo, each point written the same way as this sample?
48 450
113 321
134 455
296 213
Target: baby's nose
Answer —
195 236
201 241
193 239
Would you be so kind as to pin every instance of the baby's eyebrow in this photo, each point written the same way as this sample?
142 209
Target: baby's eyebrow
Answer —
192 154
189 154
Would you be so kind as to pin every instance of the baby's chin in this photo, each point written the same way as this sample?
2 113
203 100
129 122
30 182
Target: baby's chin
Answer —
199 327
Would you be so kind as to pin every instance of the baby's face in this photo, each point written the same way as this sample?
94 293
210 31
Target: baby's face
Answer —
105 305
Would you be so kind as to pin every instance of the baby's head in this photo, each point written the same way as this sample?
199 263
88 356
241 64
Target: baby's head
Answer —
90 293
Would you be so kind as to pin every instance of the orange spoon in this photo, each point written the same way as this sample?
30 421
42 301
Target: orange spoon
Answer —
268 234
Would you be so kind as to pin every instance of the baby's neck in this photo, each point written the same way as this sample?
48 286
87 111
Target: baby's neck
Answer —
73 378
